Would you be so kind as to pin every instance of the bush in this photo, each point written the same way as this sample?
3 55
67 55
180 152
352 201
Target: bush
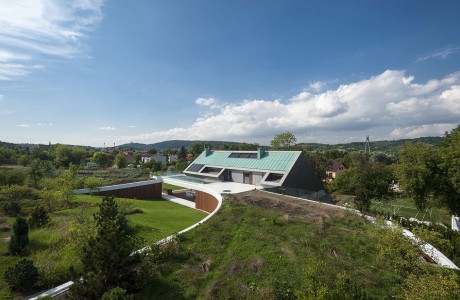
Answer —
39 217
11 208
116 294
20 239
22 276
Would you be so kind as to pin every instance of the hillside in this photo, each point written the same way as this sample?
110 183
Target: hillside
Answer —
384 146
259 246
172 144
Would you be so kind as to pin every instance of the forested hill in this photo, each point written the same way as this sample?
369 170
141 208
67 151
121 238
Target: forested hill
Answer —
173 144
384 146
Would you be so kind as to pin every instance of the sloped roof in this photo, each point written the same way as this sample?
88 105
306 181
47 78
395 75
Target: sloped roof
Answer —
271 160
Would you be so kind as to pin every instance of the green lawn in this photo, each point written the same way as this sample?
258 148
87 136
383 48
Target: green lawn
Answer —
246 252
171 186
52 247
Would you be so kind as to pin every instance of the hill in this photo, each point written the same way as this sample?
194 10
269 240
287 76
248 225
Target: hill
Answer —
172 144
383 146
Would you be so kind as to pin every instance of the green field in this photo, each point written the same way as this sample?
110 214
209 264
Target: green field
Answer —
171 186
52 247
246 252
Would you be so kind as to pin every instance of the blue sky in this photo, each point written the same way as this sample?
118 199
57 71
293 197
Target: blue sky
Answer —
93 72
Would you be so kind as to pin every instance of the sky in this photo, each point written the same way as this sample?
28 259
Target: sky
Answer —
95 72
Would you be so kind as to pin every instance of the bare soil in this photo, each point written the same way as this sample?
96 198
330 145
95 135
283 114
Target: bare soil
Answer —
307 210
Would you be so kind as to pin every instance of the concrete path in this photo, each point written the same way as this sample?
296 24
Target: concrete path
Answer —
178 200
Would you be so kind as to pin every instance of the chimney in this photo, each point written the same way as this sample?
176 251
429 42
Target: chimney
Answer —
260 153
207 151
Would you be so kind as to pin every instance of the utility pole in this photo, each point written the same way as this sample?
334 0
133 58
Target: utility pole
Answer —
367 146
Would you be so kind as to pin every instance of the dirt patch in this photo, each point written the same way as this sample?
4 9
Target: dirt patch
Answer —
307 210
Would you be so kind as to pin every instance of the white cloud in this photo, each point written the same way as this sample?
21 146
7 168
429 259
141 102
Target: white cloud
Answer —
23 125
45 124
442 54
1 98
132 126
376 105
316 86
108 128
33 29
423 130
206 101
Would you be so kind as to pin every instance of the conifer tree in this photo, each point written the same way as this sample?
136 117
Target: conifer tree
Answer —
107 258
20 239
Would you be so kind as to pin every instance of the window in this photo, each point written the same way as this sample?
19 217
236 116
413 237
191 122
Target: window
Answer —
243 155
274 177
194 167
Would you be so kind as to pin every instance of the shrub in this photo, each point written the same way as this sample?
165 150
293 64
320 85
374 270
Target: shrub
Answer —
116 294
20 239
39 217
11 208
22 276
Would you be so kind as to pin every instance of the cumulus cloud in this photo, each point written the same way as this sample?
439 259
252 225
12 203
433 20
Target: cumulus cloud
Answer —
23 125
316 86
131 126
33 29
206 101
108 128
423 130
379 104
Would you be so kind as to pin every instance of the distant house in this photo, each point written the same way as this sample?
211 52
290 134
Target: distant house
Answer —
147 157
334 170
129 157
267 169
91 164
172 158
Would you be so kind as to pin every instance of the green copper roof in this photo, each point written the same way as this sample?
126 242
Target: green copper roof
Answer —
271 160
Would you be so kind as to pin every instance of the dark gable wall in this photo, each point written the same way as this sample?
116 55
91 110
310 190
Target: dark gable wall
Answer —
302 176
144 192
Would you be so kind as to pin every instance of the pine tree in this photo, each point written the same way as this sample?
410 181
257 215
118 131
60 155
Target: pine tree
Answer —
20 239
39 217
107 260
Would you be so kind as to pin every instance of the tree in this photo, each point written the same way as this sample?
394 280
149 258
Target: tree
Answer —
102 159
417 171
107 258
15 192
11 208
22 276
93 184
20 239
120 161
39 217
283 141
320 164
182 154
448 189
197 148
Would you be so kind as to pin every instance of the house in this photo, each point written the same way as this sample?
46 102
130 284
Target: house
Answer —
334 169
267 169
129 157
146 157
172 158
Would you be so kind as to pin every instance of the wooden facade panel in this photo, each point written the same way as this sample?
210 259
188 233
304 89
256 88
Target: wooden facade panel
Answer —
145 192
205 201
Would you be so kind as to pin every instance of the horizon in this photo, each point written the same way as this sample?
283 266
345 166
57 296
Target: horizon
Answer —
220 141
105 72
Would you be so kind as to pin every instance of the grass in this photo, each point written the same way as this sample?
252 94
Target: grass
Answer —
52 247
251 253
171 186
403 207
